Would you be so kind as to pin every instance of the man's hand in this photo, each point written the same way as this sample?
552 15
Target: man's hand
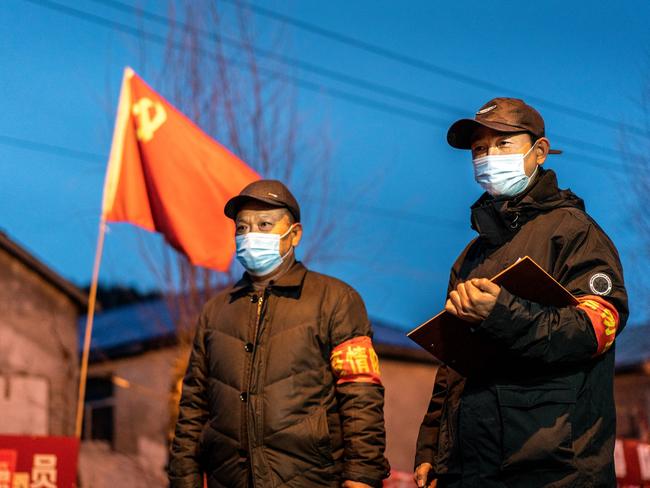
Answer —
354 484
421 474
473 300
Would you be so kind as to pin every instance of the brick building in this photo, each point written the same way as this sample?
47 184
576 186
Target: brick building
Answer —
38 345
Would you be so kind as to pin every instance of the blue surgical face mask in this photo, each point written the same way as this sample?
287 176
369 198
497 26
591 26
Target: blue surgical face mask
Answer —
259 252
503 174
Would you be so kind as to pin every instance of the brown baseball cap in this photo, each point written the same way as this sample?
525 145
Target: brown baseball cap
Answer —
501 114
272 192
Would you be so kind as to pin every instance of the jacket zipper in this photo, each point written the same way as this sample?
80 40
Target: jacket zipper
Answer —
260 303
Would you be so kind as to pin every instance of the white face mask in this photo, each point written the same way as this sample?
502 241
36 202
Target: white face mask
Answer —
259 252
502 175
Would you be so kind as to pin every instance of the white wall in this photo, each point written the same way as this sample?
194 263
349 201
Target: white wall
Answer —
24 405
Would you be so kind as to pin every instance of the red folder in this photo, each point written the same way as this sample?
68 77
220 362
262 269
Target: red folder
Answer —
452 341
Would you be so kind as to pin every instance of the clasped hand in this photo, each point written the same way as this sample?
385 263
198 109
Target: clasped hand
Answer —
473 300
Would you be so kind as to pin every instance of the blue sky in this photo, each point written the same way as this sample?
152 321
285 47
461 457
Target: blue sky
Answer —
400 193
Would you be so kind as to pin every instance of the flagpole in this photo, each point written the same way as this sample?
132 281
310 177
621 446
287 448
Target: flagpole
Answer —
110 187
92 299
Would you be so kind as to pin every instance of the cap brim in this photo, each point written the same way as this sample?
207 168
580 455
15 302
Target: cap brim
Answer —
460 133
235 203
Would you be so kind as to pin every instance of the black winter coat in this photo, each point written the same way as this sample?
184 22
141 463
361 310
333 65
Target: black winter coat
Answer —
260 399
551 392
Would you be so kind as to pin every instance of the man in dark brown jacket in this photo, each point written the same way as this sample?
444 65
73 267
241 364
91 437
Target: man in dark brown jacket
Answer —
541 412
283 385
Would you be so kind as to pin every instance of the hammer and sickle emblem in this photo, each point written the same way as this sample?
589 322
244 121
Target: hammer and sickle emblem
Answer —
148 125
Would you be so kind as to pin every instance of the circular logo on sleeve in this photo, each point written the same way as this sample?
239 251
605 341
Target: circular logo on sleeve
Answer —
600 284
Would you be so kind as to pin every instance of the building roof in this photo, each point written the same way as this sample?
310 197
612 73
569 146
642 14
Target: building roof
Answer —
21 254
130 326
633 347
142 326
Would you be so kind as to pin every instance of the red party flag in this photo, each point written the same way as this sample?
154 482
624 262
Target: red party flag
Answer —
167 175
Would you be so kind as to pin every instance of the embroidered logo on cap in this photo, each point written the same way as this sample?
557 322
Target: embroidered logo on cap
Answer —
600 284
486 110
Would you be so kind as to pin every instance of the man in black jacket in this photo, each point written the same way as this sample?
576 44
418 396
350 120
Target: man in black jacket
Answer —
541 413
283 386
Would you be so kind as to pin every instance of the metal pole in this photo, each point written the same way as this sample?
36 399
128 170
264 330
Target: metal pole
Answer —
92 298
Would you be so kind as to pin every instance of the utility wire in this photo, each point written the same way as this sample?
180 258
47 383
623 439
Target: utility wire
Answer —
381 89
438 70
358 207
396 214
290 61
309 85
50 149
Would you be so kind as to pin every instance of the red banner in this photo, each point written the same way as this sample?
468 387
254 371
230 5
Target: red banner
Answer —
38 462
632 459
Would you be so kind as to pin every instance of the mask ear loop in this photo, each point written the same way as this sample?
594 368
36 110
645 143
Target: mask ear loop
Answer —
288 230
531 148
285 235
530 178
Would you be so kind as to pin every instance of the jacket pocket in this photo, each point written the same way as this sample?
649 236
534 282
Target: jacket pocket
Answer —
336 442
215 448
536 428
320 434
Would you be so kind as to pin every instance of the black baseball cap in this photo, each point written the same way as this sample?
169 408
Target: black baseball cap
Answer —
503 115
272 192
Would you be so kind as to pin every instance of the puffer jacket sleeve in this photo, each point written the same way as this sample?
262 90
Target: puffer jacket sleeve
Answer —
360 396
573 333
184 468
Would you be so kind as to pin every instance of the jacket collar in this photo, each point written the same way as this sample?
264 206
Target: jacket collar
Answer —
498 220
291 280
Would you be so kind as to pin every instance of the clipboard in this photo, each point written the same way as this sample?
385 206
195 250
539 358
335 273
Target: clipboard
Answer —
452 341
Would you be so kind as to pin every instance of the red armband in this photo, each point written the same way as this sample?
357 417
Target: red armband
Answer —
604 320
356 361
